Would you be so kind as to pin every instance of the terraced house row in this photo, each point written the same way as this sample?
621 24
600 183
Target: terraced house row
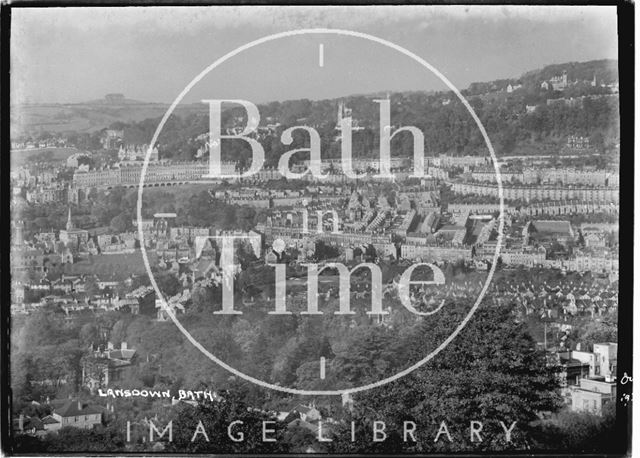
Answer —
529 193
159 174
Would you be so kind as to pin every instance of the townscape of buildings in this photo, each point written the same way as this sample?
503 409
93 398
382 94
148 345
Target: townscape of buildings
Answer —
553 218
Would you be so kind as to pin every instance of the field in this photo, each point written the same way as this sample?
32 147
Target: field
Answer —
180 193
113 266
20 157
86 117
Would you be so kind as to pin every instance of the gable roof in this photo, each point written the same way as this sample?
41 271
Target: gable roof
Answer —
126 354
301 408
290 417
73 408
555 227
302 424
49 420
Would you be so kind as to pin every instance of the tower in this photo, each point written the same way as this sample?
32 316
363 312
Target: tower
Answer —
18 233
154 154
564 78
69 223
343 113
73 196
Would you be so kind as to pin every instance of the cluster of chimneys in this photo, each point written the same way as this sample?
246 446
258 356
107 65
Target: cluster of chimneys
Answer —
123 346
110 347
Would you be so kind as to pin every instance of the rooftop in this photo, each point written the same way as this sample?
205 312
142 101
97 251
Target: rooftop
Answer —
49 420
555 227
74 408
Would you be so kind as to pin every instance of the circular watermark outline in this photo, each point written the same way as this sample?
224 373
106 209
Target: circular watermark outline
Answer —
319 31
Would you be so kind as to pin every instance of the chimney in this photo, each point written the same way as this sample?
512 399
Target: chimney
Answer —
79 405
578 346
21 423
123 346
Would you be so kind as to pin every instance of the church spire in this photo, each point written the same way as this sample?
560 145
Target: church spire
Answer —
69 223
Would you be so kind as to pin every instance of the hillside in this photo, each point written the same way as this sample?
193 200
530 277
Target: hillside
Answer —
605 71
86 117
527 119
517 113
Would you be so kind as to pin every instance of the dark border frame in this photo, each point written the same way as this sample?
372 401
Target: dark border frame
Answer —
626 71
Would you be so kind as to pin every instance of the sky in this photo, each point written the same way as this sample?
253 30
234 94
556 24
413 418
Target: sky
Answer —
71 55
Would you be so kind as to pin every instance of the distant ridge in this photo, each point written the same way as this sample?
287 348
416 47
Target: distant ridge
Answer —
98 114
605 70
117 99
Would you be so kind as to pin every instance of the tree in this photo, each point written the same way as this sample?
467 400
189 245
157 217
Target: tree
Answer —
244 334
168 283
89 334
22 369
245 254
325 251
245 218
583 432
120 223
119 332
599 331
491 371
300 439
366 356
215 418
69 439
92 288
203 297
43 328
